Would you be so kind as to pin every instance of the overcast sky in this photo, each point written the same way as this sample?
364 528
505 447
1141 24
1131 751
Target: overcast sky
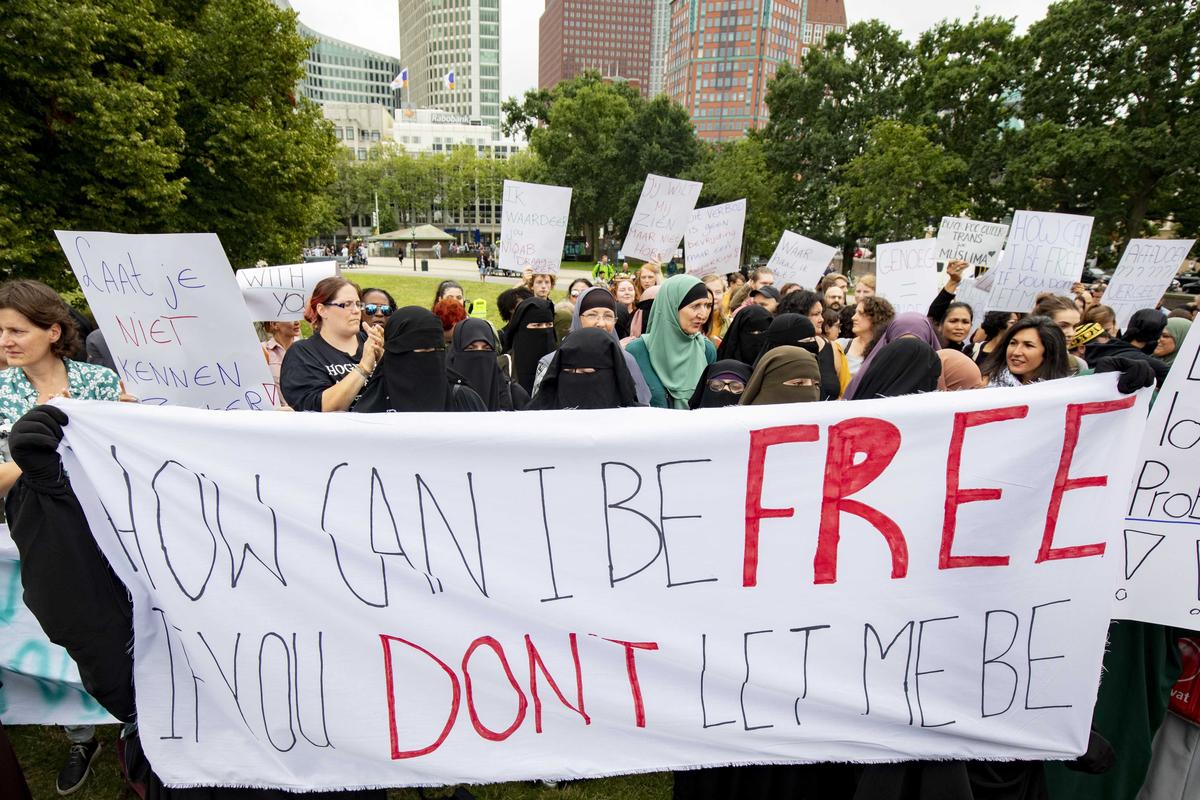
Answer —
373 24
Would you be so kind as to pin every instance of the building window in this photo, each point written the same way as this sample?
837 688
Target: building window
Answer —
362 155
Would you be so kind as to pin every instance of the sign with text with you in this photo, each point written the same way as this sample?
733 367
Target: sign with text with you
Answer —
281 293
977 243
1045 253
663 214
534 226
546 611
713 240
801 260
906 273
1160 536
1145 272
173 317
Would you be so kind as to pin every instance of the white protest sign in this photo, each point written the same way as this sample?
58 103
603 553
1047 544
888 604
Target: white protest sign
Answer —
975 297
801 260
714 239
1045 253
173 317
906 273
560 608
1146 270
663 214
281 293
977 243
533 226
1160 539
41 683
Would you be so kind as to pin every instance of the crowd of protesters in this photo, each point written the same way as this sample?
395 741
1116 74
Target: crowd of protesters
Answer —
628 339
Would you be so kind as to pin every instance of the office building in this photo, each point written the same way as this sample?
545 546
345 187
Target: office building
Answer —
723 53
440 37
660 38
612 37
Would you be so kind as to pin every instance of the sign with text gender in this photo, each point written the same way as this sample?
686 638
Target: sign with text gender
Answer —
663 214
906 273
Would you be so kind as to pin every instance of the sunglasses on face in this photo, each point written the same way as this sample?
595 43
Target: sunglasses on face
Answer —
373 309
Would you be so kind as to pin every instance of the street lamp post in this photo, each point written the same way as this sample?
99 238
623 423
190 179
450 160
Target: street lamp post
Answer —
412 233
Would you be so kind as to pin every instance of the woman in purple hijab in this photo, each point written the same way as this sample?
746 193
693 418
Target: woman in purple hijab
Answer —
910 323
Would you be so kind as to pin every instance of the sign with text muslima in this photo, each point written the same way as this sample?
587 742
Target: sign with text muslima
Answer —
663 214
281 293
173 317
977 243
1159 538
1146 270
906 273
1045 253
534 226
801 260
714 239
762 584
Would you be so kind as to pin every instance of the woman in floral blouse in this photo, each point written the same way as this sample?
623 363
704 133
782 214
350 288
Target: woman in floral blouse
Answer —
36 335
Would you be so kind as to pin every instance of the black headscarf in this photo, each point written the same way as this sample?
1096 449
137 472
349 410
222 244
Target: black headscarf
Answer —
609 386
478 367
526 344
1146 325
905 366
744 339
789 329
414 381
644 306
728 369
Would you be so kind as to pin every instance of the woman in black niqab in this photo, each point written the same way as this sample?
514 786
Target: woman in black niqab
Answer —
529 335
726 375
744 339
415 377
905 366
588 371
479 367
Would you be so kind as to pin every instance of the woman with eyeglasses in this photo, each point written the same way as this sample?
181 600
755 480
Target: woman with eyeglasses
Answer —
721 384
378 305
329 370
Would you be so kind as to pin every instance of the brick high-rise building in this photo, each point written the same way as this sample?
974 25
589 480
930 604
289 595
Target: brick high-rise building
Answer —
723 52
613 37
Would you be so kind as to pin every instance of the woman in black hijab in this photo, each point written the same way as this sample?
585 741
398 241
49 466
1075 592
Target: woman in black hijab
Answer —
588 371
905 366
721 384
473 356
744 339
415 377
529 335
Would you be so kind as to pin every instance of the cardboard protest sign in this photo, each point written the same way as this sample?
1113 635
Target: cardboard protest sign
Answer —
977 243
1145 272
550 609
975 297
1159 540
714 239
39 683
533 226
663 214
906 273
173 317
281 293
799 259
1045 253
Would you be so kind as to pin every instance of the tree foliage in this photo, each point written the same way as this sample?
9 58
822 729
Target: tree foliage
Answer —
737 169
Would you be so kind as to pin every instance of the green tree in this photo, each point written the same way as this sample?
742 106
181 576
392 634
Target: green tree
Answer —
901 182
737 169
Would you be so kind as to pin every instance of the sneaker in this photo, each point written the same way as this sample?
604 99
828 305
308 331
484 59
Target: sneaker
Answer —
78 766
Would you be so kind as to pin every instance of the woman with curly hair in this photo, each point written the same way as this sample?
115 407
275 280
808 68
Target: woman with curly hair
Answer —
871 316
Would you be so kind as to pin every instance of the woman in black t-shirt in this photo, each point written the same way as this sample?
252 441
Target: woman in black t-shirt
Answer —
329 370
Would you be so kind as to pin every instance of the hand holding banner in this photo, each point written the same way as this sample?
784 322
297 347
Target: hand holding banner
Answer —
663 214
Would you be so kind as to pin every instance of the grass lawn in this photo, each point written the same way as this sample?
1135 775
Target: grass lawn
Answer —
42 750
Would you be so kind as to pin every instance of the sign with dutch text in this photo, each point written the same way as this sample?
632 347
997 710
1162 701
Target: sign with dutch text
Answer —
533 227
906 273
713 240
799 259
1145 272
663 214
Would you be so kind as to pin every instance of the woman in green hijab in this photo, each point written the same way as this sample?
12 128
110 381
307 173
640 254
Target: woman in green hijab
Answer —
1172 339
675 351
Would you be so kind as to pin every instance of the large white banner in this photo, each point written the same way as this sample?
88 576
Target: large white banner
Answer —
977 243
1145 272
40 682
915 578
281 293
713 240
1160 536
906 273
801 260
1045 253
662 216
534 226
173 317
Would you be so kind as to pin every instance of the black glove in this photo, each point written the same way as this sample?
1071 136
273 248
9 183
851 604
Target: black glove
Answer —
1099 757
1136 373
34 444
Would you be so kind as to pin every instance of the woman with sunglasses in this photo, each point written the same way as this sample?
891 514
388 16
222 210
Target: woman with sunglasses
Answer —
378 305
329 370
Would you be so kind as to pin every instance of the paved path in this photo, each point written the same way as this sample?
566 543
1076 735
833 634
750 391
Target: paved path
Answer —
459 269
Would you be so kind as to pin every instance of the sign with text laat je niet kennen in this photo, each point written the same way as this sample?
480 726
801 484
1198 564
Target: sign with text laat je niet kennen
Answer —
534 226
173 317
662 216
914 578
